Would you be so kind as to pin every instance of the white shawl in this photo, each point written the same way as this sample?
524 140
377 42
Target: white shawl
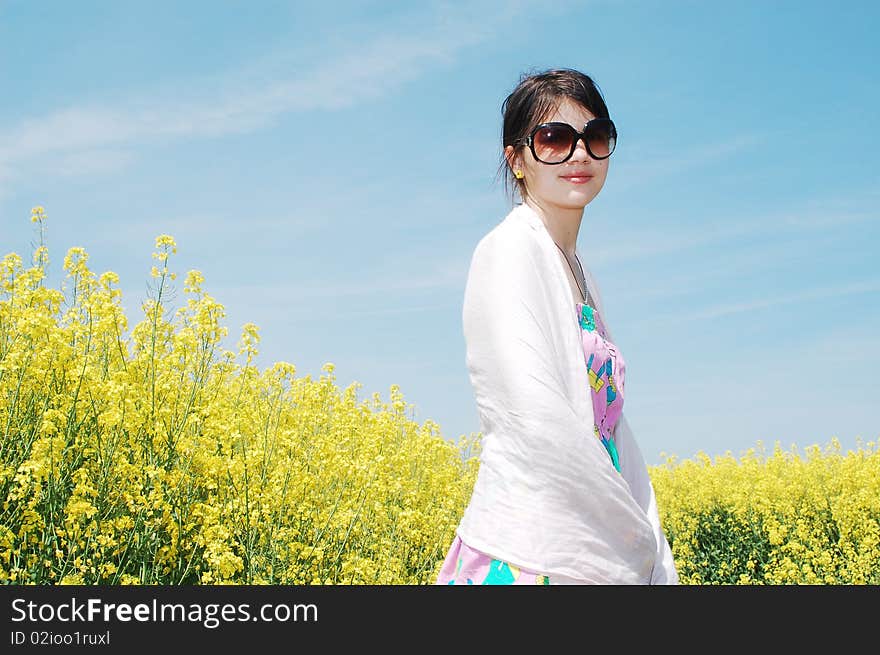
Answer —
547 496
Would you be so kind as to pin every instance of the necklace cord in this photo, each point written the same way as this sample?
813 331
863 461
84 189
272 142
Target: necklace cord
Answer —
584 292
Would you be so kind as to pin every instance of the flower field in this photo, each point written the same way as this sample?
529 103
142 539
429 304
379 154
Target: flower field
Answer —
779 518
161 458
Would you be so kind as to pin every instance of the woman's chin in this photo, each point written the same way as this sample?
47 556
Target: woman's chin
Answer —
576 199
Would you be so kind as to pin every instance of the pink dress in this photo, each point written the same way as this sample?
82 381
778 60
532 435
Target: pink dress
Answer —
606 369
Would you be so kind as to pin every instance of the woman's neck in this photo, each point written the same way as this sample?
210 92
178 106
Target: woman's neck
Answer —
562 224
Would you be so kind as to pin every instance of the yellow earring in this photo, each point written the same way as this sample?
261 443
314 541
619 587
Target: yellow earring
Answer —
518 173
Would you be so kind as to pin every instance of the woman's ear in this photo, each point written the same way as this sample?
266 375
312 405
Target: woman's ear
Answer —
510 157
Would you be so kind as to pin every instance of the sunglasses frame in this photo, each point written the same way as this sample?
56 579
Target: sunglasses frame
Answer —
578 136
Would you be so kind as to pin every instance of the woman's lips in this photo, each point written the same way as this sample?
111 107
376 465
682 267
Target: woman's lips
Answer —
577 179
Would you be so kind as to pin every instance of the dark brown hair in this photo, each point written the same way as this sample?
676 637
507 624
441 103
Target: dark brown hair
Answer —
534 97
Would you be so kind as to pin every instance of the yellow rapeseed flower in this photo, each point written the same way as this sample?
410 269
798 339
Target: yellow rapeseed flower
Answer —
163 458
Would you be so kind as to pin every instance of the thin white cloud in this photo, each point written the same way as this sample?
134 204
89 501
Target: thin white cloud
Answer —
322 298
725 309
5 179
206 227
90 162
649 242
643 165
825 220
349 313
369 69
842 344
444 278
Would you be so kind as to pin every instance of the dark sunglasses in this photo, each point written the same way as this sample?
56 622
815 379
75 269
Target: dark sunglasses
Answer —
554 143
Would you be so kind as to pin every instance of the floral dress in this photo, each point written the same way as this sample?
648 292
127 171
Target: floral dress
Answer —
606 369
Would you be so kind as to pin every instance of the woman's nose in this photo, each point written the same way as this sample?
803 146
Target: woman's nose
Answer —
580 150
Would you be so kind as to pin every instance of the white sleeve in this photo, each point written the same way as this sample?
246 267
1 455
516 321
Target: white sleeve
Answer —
635 472
514 367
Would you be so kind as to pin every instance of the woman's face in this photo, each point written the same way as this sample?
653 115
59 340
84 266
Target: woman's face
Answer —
553 185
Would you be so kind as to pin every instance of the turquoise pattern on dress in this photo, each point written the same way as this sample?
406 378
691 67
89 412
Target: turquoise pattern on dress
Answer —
499 573
611 447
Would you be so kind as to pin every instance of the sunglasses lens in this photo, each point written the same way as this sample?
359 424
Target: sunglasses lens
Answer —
602 137
553 143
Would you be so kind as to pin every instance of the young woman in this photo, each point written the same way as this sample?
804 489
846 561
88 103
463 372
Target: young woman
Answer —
563 494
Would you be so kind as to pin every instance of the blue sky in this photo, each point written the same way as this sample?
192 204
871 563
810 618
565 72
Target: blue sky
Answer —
329 167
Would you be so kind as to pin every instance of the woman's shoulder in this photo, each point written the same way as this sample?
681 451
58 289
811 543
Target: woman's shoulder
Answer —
510 258
511 236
